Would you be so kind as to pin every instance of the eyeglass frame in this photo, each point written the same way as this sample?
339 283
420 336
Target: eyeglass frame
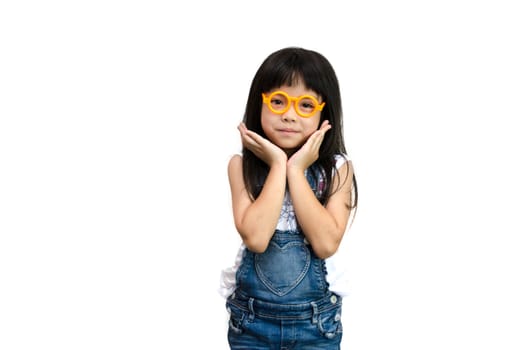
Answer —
318 106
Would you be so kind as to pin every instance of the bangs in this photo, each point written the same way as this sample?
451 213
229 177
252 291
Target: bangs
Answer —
293 73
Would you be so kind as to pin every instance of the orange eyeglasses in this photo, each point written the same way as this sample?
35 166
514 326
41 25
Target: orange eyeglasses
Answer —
279 102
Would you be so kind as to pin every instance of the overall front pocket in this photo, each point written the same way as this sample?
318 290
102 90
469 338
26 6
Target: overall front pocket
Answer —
282 268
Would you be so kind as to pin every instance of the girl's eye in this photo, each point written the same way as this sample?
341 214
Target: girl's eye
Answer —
276 102
279 102
306 105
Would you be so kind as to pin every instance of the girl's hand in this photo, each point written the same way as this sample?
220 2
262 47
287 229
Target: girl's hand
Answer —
261 147
309 152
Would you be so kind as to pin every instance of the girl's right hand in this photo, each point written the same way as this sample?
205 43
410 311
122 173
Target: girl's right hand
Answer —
261 147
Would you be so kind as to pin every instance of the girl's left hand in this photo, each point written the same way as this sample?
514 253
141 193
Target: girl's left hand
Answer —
309 152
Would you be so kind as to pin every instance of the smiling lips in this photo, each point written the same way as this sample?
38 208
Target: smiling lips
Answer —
288 131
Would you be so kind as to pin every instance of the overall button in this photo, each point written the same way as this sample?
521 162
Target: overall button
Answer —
333 299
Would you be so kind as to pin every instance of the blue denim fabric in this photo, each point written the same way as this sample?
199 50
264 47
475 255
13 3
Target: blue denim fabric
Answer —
259 325
287 272
282 299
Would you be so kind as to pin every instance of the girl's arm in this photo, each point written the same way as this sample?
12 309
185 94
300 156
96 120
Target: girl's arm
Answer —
323 226
256 220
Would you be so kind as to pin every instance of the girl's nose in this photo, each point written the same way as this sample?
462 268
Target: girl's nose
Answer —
290 114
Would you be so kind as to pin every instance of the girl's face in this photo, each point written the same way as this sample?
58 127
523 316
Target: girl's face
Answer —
289 130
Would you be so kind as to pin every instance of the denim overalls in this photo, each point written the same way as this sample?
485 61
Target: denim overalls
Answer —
282 299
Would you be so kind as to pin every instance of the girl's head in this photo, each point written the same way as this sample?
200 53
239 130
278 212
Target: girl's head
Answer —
298 71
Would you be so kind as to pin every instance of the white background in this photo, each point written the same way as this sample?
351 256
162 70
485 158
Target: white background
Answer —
117 119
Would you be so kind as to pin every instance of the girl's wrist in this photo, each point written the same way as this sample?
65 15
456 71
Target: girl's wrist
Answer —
278 163
294 170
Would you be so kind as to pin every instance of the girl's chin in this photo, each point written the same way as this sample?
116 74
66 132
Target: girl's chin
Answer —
290 150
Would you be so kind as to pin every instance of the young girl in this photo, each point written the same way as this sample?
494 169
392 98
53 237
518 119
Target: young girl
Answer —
293 195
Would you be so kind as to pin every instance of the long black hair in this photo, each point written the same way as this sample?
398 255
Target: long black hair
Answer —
290 66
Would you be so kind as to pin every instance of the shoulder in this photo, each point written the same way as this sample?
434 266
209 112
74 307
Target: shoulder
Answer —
340 159
235 160
343 170
235 165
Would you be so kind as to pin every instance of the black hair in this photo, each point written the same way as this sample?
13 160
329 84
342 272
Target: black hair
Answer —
289 66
